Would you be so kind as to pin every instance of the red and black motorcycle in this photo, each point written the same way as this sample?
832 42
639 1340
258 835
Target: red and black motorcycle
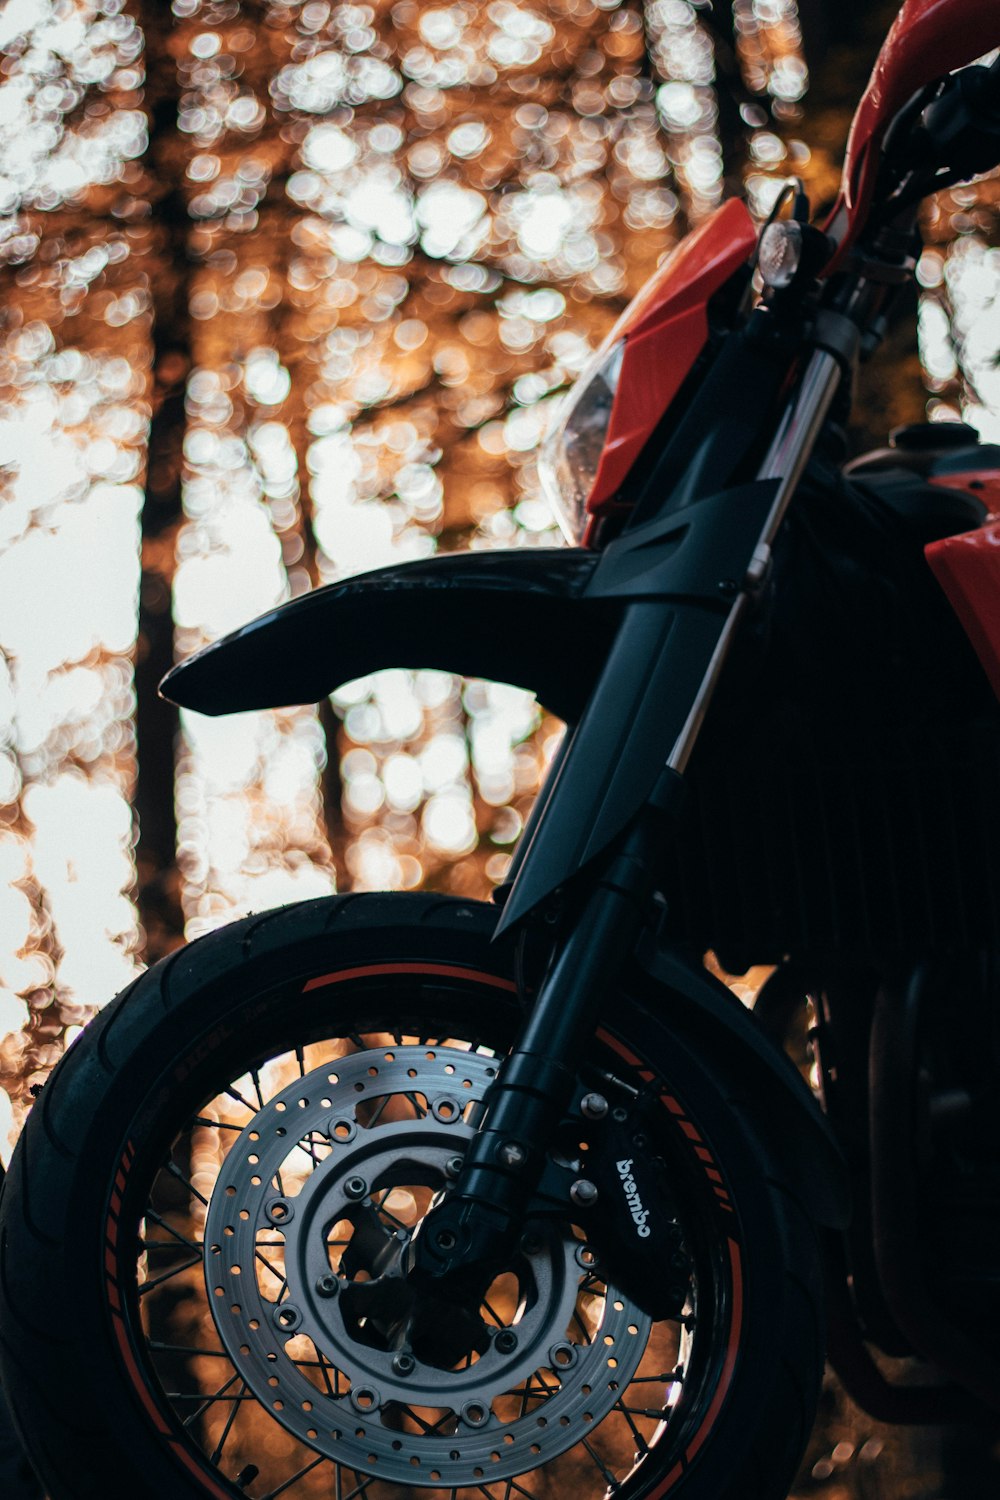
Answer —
379 1193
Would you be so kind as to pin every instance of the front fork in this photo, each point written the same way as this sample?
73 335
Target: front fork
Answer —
479 1221
467 1236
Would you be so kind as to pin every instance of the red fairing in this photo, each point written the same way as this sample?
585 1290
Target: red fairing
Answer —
968 569
665 329
928 39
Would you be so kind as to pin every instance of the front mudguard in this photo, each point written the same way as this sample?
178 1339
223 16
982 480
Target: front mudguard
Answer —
616 643
519 617
711 1016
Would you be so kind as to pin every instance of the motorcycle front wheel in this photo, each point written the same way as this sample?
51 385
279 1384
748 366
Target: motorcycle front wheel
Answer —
199 1232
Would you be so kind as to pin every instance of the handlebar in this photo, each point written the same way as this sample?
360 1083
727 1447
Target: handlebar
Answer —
962 127
956 136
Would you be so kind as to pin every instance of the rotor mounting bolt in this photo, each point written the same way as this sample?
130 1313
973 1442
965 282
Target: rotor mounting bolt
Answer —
403 1364
328 1285
583 1193
505 1341
512 1154
355 1187
452 1167
594 1106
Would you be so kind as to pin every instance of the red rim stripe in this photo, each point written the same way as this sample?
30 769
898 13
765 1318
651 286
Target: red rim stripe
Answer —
446 971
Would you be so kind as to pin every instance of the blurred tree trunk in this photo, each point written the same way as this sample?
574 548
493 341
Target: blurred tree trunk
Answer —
156 720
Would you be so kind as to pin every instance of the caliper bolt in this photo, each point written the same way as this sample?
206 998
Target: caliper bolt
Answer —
583 1193
505 1341
355 1187
403 1363
594 1106
452 1167
512 1154
328 1285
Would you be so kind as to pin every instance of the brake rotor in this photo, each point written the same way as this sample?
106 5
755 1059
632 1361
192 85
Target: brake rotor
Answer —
315 1200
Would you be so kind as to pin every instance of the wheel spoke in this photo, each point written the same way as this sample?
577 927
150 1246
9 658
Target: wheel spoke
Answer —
512 1484
584 1330
387 1214
605 1472
206 1401
255 1080
282 1280
158 1347
175 1171
625 1411
169 1229
380 1111
494 1315
234 1093
287 1484
217 1450
149 1286
219 1395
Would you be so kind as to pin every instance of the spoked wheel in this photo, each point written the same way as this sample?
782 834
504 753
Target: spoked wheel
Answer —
309 1214
267 1138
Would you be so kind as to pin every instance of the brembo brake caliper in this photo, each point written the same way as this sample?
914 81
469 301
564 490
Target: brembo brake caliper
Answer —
636 1233
603 1174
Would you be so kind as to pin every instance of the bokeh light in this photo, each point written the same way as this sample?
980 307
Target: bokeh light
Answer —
291 290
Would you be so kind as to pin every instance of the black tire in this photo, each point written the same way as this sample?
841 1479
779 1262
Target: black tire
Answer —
83 1371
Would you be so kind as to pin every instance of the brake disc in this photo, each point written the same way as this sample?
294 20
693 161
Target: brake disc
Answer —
302 1238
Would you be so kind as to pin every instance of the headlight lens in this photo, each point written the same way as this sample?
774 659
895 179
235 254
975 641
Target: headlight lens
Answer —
570 455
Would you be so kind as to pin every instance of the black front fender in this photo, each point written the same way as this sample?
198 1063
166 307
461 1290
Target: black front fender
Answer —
516 616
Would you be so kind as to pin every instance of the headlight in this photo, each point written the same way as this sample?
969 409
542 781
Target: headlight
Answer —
570 455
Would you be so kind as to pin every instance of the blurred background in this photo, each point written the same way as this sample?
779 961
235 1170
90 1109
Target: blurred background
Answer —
287 291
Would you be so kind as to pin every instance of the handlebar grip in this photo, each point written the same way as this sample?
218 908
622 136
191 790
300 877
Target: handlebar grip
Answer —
962 126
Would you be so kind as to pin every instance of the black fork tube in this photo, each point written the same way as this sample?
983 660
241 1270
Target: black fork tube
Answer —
480 1221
